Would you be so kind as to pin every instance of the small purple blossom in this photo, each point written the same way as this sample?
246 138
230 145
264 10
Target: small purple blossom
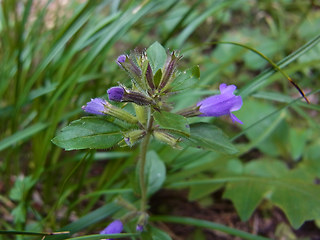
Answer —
95 106
121 59
113 228
127 140
139 228
115 93
222 104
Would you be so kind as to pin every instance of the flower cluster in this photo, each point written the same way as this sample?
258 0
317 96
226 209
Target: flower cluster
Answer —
154 77
151 86
153 93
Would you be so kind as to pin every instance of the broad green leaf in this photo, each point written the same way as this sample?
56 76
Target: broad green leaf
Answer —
219 165
286 189
173 122
199 191
157 56
209 137
297 142
293 191
88 132
186 79
311 162
251 193
155 171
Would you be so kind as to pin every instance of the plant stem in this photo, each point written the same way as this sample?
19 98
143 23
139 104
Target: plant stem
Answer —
143 153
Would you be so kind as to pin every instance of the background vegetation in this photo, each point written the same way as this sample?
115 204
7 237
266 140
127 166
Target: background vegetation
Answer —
56 55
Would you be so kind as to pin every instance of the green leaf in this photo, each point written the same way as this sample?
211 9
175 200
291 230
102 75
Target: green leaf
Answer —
153 233
21 188
13 232
311 162
173 122
88 132
293 191
209 137
89 219
155 172
157 56
286 189
157 78
22 135
158 234
105 236
297 142
19 213
186 79
199 191
208 225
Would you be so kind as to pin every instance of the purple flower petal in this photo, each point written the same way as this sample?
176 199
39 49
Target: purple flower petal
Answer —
95 106
115 93
113 228
222 104
225 89
235 119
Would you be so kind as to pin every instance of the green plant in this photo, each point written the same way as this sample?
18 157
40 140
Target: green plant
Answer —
54 58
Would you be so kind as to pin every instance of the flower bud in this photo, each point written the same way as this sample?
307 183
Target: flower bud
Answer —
131 68
167 138
142 222
139 228
169 70
137 98
115 93
119 113
120 94
149 77
121 59
133 136
141 113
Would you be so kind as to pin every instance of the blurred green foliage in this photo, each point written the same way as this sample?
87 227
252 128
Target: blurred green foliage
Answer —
56 55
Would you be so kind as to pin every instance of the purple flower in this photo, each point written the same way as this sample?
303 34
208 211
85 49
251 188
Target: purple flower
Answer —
95 106
115 93
113 228
139 228
222 104
121 59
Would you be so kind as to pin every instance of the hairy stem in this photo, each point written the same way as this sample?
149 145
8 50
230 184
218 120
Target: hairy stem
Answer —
143 153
